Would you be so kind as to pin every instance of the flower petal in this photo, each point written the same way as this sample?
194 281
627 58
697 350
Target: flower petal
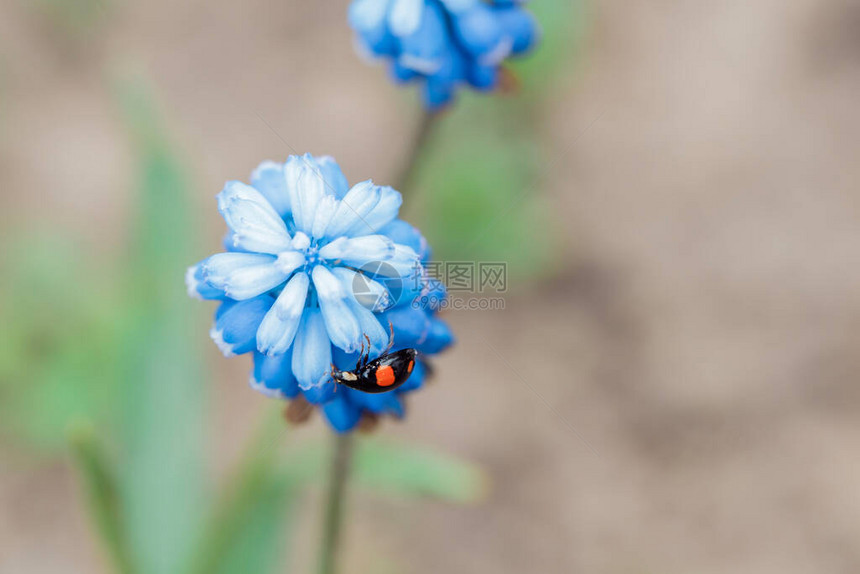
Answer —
457 6
480 32
404 16
235 329
306 188
333 176
381 403
438 338
367 292
384 212
367 14
321 394
521 26
341 414
483 77
255 224
353 208
273 376
341 323
243 275
363 309
359 251
370 326
364 209
278 329
325 211
405 234
197 285
411 326
269 180
312 351
424 49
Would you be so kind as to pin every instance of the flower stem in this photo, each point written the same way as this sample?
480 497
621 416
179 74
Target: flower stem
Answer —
341 460
406 178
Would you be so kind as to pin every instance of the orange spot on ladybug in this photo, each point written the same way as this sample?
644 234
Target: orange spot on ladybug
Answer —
410 366
385 376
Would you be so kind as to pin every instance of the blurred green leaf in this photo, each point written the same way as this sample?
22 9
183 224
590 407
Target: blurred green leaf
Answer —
563 24
76 19
407 470
59 357
480 177
102 497
481 197
250 527
164 388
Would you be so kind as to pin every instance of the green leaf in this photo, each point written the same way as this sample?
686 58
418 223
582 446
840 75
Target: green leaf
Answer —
102 497
49 374
563 24
250 527
76 20
407 470
164 387
481 197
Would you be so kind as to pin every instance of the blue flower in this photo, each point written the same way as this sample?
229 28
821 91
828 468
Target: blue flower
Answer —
444 43
315 271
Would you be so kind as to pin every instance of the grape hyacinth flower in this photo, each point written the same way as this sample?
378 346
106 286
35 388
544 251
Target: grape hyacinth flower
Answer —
444 43
313 273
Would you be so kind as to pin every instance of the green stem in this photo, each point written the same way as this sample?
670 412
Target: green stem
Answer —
341 460
99 483
342 456
406 178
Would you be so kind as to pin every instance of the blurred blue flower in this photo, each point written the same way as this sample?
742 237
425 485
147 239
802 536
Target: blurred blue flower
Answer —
444 43
313 270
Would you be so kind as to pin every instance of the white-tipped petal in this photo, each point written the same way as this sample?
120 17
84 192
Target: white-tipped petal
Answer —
243 275
312 351
384 212
353 210
269 180
192 284
424 66
261 388
369 325
367 14
404 18
341 324
364 210
369 293
333 176
300 242
404 254
218 337
306 188
359 251
289 261
255 224
325 211
280 324
498 54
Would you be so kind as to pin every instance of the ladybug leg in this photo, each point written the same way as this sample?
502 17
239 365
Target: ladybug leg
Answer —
390 339
333 371
361 357
367 354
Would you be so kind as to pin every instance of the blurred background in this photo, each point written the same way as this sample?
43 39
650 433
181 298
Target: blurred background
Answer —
671 388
